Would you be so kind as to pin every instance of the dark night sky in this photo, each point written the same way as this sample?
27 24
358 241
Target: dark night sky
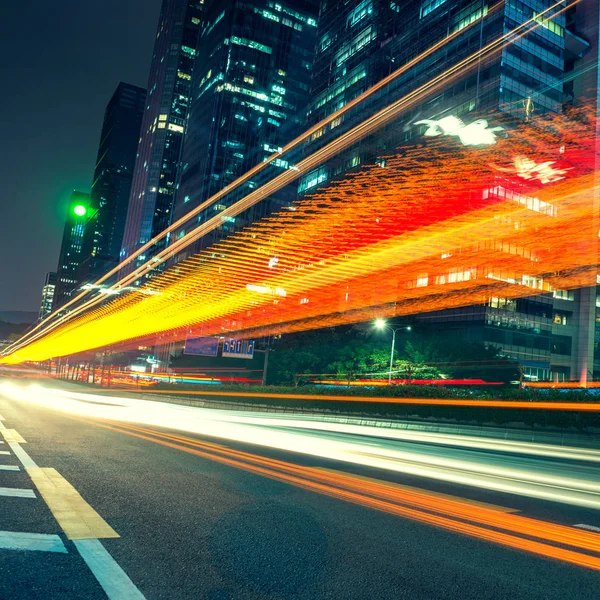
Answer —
60 63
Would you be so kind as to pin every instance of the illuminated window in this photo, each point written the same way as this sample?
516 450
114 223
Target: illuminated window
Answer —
429 6
162 118
251 44
359 13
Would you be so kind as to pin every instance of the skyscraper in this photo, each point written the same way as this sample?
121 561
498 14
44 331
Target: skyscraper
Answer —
250 91
155 173
112 182
47 295
78 218
360 43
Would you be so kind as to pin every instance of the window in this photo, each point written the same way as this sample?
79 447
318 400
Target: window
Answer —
429 6
559 318
251 44
561 344
359 13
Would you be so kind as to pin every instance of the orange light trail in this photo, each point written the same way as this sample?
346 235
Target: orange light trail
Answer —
512 404
343 142
431 230
453 515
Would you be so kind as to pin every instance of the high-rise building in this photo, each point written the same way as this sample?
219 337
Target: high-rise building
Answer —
47 295
167 102
249 96
79 214
112 182
360 43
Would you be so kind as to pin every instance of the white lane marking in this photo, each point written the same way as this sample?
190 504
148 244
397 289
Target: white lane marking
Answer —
12 540
114 581
4 452
9 468
25 459
588 527
17 492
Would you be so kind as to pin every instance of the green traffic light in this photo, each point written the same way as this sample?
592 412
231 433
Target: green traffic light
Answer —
80 210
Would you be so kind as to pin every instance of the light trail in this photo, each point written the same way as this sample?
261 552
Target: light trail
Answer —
414 455
318 157
561 481
491 241
512 404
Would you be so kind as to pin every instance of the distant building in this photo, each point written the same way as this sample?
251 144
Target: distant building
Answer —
78 218
167 102
48 295
249 96
112 182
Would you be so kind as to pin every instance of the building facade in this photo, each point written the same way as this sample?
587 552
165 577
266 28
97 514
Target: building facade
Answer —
111 187
360 43
71 249
47 295
167 102
250 91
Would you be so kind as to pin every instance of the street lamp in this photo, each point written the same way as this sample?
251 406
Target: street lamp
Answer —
382 325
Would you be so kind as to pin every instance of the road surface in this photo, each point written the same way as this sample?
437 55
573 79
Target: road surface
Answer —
107 496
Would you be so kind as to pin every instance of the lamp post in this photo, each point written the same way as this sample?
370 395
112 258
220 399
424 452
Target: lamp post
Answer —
382 325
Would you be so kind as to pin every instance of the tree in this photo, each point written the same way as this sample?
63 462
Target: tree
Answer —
462 359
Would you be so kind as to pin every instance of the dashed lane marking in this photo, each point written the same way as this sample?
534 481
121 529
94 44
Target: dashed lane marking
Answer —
77 518
4 452
43 542
114 581
12 435
588 527
25 459
17 493
9 468
80 522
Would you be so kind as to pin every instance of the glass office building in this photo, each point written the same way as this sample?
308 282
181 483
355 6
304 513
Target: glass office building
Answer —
360 43
249 96
71 248
47 295
111 187
167 102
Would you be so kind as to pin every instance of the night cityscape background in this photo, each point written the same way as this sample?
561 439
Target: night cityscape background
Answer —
302 297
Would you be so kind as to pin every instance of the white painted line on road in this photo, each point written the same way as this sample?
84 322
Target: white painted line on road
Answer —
588 527
9 468
114 581
43 542
4 452
25 459
17 493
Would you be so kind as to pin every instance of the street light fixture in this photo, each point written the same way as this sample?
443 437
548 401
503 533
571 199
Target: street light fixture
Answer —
382 325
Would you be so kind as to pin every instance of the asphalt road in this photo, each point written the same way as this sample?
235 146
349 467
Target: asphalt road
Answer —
201 516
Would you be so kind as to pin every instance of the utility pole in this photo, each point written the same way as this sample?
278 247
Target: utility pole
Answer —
266 362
